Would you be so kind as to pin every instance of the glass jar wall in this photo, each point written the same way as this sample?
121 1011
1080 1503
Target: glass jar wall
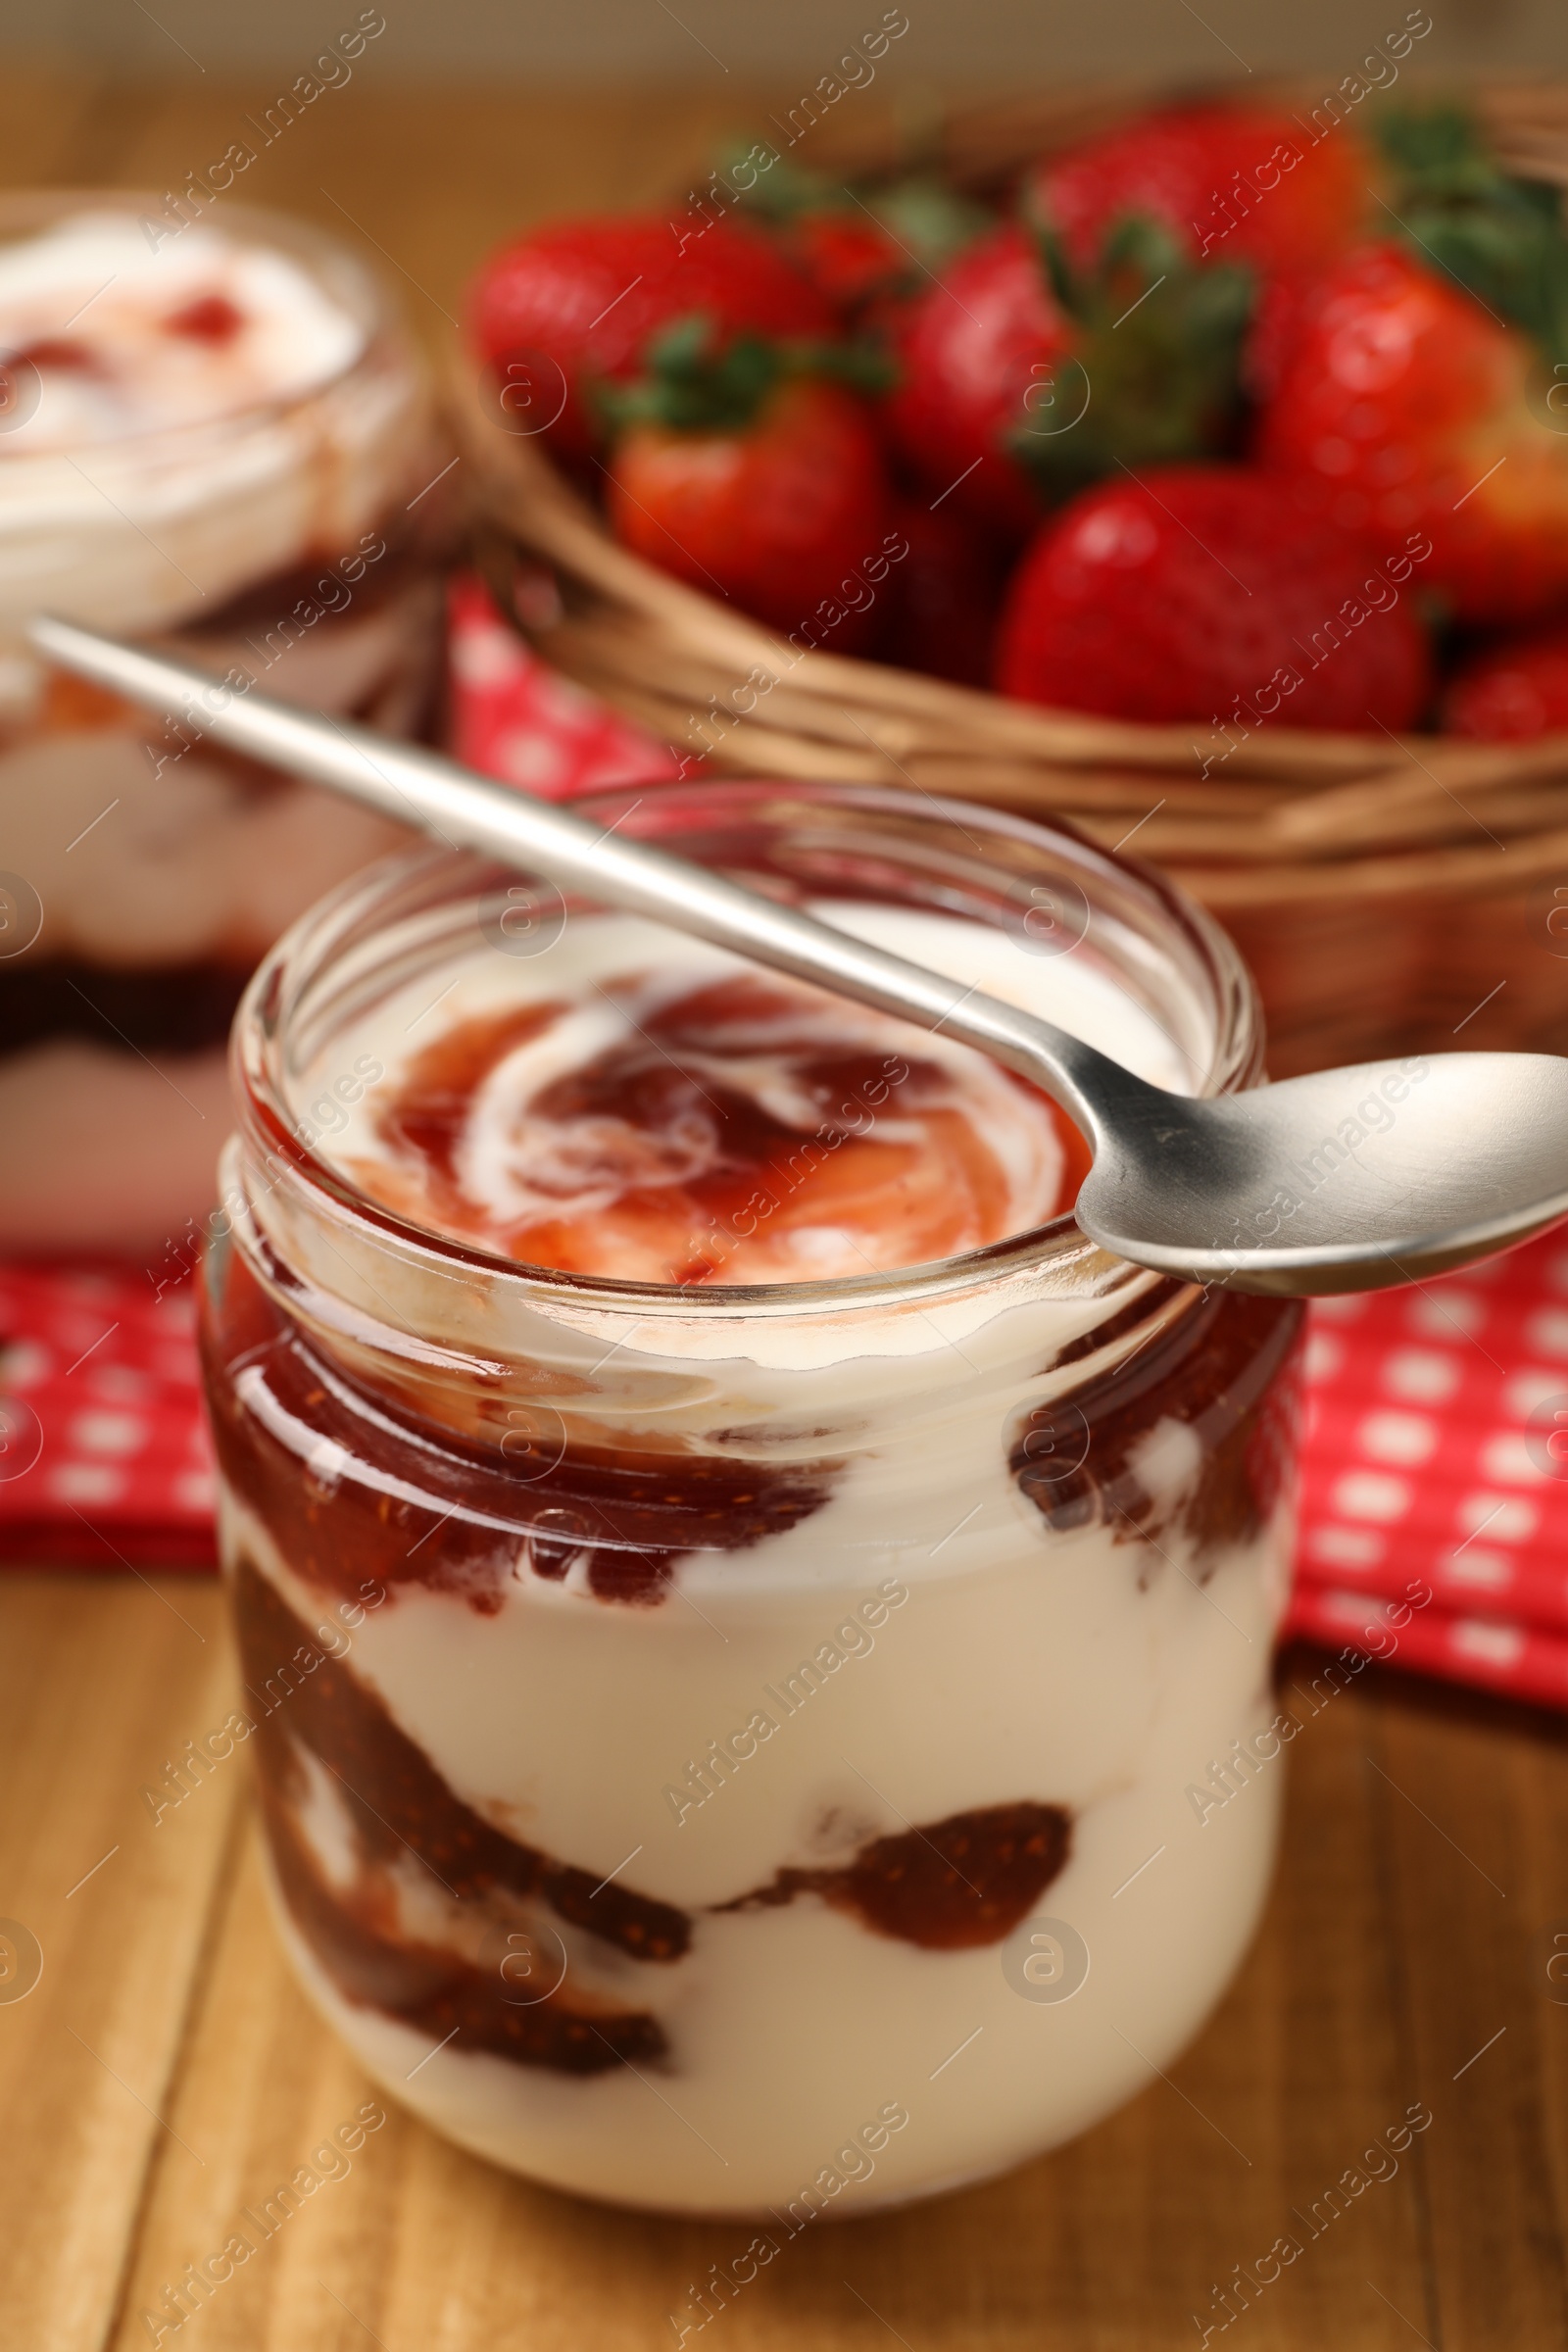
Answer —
728 1748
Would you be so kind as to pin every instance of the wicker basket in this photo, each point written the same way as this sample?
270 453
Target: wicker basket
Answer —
1389 893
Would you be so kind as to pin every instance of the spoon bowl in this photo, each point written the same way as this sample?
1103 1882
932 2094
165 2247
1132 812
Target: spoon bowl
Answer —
1347 1180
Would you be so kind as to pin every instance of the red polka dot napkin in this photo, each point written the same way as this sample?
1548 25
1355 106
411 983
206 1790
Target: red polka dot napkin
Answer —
517 720
1437 1451
103 1450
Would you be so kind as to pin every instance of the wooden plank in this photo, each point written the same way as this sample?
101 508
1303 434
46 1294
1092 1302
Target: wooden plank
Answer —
1473 1838
101 1682
48 117
433 180
263 2087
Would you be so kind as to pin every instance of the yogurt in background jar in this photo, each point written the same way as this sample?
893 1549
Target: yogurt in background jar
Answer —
214 438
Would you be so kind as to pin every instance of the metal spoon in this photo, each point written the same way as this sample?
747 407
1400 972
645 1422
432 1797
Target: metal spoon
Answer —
1348 1180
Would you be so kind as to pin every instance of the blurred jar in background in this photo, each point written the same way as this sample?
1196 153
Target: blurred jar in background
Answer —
216 436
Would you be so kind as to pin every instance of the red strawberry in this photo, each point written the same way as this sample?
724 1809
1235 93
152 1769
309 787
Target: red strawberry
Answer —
1197 588
1414 409
1016 389
1511 692
856 247
977 354
1228 183
744 474
847 256
573 305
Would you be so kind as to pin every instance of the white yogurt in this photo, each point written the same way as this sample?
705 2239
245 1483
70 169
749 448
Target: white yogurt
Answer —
148 474
131 344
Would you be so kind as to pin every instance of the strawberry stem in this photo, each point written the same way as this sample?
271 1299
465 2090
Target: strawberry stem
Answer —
916 210
693 385
1155 375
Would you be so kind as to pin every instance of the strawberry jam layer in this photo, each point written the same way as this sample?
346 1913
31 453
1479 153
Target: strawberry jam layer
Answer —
955 1885
1193 1435
352 1484
947 1885
313 1704
745 1129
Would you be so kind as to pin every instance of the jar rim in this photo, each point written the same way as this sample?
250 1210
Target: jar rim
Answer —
333 264
267 1121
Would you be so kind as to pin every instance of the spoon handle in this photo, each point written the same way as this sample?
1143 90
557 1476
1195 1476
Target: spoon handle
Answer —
420 788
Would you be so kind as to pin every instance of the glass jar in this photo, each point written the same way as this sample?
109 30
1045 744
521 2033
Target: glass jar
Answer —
748 1750
180 466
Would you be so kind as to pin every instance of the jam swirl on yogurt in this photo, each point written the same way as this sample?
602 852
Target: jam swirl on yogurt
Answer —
692 1131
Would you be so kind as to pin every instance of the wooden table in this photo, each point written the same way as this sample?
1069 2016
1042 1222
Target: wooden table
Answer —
163 2073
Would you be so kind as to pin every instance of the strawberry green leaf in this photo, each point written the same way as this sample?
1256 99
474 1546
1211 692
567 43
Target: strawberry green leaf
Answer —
693 385
916 212
1500 237
1156 372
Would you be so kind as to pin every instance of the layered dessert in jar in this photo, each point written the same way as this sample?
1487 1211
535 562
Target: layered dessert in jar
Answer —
215 435
734 1590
